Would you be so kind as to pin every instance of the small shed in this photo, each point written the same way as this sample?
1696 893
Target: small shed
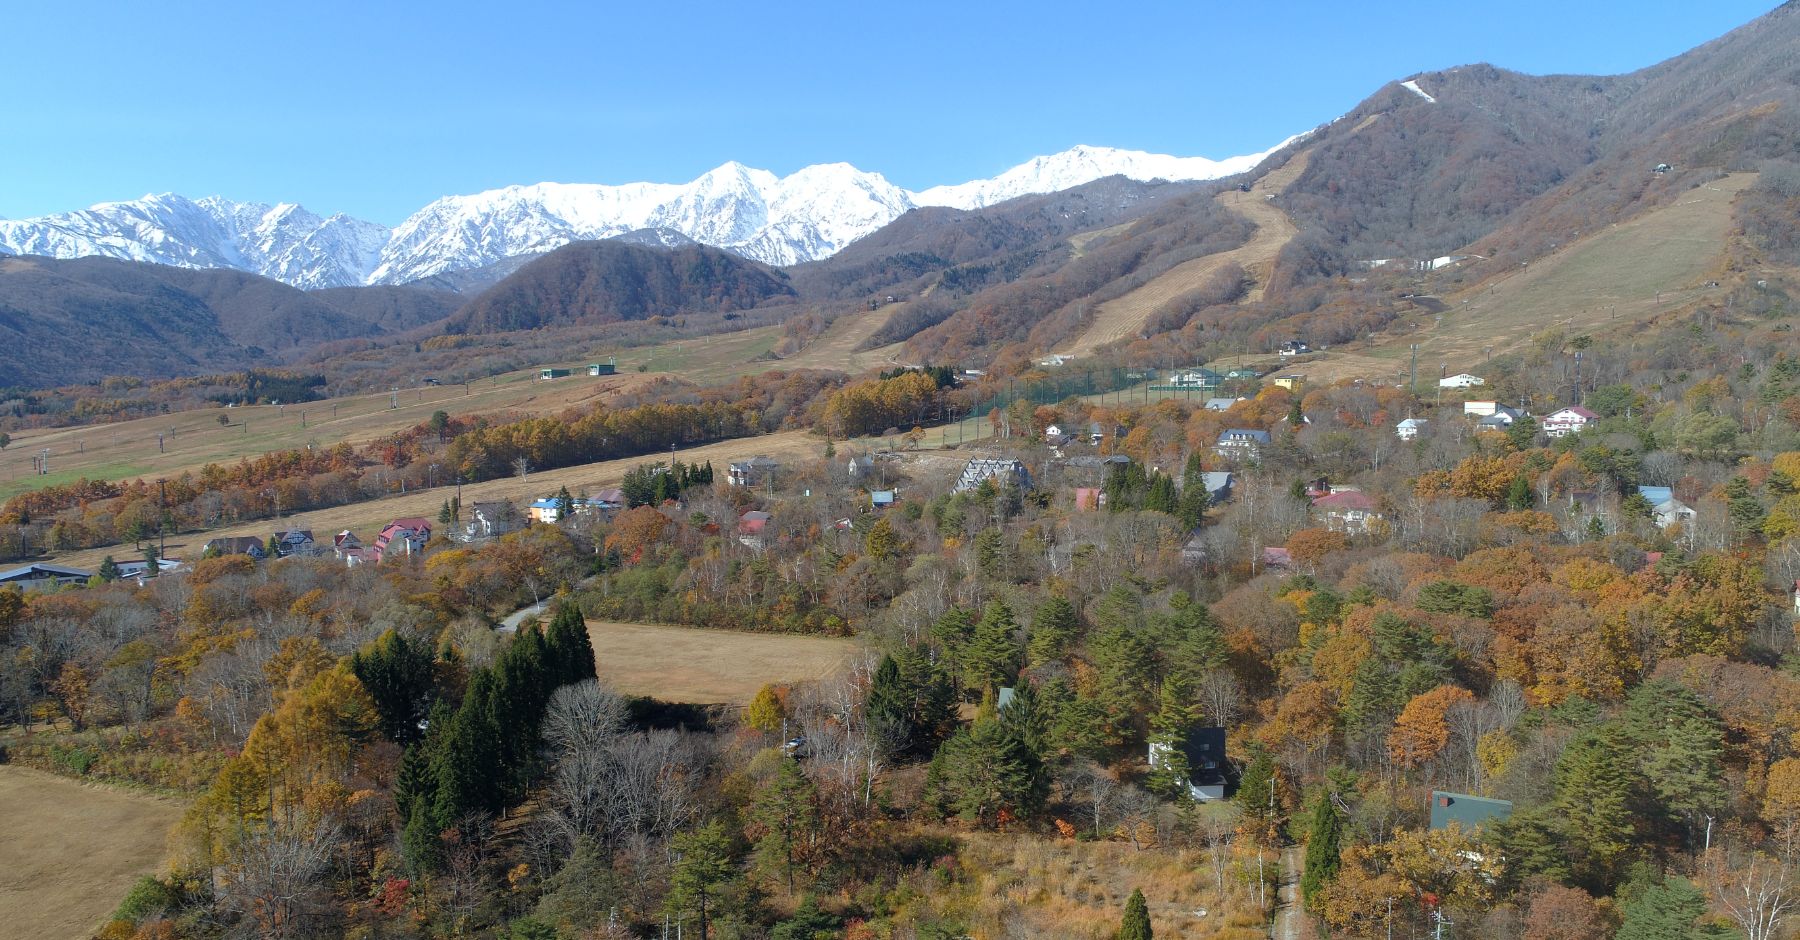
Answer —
544 375
609 367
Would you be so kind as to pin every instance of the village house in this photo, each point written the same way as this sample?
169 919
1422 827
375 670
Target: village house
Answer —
1221 404
1242 374
1089 499
1499 421
883 499
1411 428
1204 751
1095 433
235 545
608 500
1461 380
859 466
1567 421
1275 558
139 570
1468 812
1294 347
1242 443
756 471
752 530
1218 485
1292 383
1349 511
42 576
490 519
548 509
1665 509
1002 471
295 542
402 537
1054 436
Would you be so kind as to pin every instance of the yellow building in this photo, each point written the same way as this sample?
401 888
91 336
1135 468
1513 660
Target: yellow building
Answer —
1292 383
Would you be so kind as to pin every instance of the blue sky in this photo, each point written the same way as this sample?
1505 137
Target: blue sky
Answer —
375 109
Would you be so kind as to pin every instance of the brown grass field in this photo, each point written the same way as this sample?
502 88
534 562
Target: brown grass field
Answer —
708 667
71 851
1117 319
1616 279
192 439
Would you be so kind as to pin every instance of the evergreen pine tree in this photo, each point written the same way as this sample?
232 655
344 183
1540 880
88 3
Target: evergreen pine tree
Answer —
1324 847
991 657
565 505
1160 496
1518 495
1136 923
1594 803
1256 794
109 569
786 810
401 679
701 869
1168 738
1054 630
465 763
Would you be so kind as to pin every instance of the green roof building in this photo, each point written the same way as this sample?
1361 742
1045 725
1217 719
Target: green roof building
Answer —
1467 811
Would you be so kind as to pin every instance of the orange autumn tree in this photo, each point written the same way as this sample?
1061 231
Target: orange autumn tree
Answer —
1423 728
1310 546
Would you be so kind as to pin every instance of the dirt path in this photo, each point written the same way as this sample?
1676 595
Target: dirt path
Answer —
1125 316
71 851
1288 914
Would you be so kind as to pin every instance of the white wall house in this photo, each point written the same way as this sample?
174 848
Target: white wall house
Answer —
1461 380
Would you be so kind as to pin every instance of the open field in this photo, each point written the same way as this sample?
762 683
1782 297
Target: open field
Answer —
1613 280
708 667
192 439
71 851
365 518
1124 316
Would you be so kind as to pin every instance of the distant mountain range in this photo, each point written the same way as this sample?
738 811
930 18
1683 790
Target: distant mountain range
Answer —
806 216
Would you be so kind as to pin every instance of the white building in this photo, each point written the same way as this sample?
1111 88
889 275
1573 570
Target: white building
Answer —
1461 380
1411 428
1568 421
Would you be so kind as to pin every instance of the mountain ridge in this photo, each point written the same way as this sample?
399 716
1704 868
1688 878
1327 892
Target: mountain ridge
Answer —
807 215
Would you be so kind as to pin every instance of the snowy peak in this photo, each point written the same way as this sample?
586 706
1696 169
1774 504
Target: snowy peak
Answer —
284 242
1084 164
780 220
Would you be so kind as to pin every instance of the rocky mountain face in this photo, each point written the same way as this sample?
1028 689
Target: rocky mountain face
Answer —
779 220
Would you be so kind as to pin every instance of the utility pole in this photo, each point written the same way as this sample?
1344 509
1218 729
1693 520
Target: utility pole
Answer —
162 513
1415 369
1577 376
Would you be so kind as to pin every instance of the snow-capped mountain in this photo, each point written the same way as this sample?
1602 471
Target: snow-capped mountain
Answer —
1084 164
284 242
781 220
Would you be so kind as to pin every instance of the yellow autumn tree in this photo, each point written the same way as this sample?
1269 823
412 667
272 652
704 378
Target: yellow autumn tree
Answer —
1423 728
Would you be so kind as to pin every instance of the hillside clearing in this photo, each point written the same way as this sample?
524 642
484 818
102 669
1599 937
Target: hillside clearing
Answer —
1614 279
836 348
1125 316
71 852
708 667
